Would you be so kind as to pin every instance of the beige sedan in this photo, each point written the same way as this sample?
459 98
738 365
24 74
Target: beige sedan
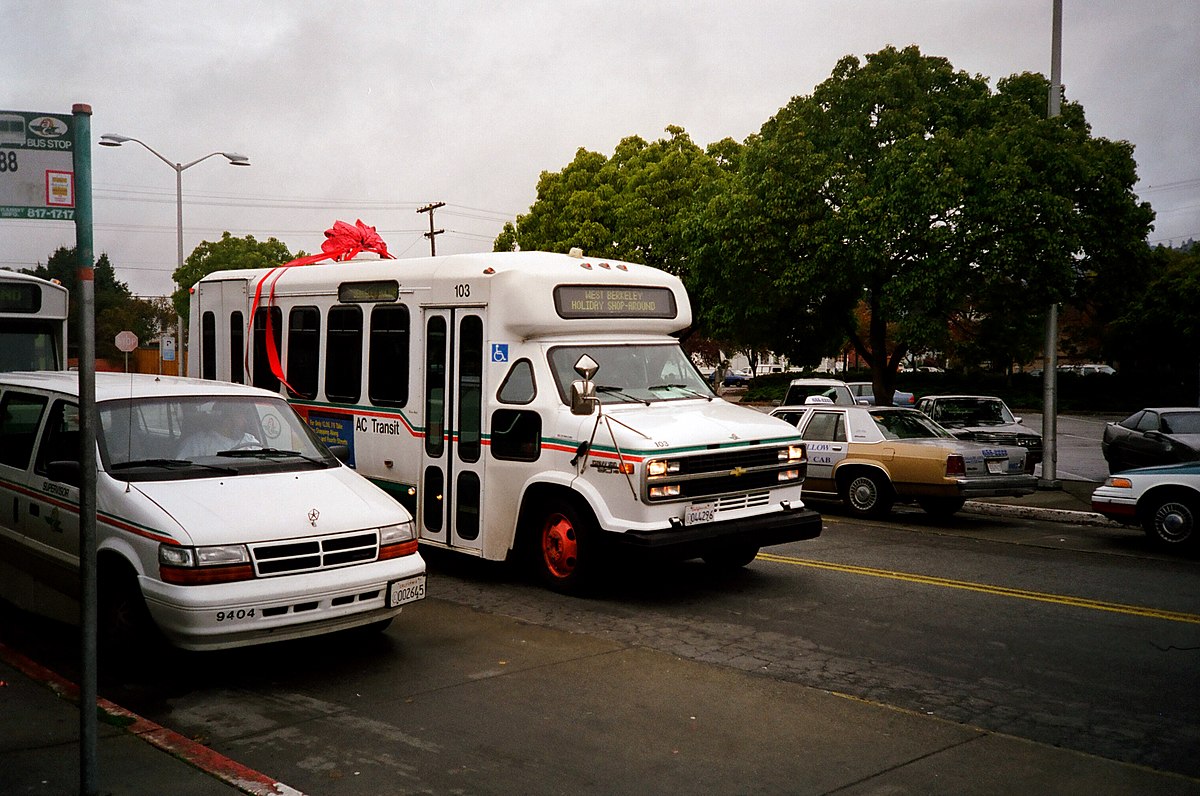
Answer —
871 457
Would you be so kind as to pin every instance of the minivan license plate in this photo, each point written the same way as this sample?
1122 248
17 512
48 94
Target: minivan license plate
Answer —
404 591
699 513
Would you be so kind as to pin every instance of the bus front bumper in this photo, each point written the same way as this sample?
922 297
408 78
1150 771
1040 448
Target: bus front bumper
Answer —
761 530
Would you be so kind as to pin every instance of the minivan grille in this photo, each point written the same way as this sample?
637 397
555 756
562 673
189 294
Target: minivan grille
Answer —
310 555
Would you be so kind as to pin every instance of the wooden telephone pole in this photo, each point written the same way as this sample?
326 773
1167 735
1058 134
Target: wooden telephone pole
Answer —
432 233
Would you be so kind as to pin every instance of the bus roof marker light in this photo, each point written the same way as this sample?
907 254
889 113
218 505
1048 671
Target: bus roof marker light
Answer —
489 270
622 267
605 266
586 265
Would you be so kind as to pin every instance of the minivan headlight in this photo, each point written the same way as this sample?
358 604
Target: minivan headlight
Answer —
192 566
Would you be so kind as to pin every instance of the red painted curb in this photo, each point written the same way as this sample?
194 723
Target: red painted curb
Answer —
245 779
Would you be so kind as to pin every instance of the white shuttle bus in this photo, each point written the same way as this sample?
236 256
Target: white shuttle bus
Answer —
517 403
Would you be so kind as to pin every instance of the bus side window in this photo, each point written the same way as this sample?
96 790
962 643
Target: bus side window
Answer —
19 418
304 350
264 377
387 371
518 386
343 354
208 346
516 435
237 348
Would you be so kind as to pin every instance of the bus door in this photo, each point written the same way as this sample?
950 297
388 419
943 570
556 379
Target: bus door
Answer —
451 478
222 331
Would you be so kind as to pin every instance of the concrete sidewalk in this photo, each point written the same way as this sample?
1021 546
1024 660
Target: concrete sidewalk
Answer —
39 745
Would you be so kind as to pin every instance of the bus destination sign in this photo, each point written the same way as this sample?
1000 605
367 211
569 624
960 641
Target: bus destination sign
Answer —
606 301
37 168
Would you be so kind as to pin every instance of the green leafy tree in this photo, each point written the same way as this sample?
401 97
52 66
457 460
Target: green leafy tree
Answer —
112 301
908 188
631 206
226 254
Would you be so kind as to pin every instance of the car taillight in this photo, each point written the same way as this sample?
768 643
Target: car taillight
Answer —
955 465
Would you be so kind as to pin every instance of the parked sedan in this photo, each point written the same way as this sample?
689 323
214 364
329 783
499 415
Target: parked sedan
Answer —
1164 500
864 393
737 378
1152 436
870 457
985 419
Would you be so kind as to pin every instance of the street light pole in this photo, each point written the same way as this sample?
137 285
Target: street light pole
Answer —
112 139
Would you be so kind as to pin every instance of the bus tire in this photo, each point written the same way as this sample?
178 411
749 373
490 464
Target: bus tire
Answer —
564 546
731 558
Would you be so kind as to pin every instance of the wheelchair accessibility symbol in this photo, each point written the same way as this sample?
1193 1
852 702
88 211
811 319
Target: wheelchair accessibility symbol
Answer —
499 352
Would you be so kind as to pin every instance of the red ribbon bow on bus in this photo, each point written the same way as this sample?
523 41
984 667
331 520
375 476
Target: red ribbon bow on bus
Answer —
342 242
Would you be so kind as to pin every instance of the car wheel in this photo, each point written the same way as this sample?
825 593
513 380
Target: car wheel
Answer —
563 550
124 627
941 507
1170 520
868 495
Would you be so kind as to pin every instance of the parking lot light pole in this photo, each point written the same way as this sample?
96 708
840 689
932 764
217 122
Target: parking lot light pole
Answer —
112 139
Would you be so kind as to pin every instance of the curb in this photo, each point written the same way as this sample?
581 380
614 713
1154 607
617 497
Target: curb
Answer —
231 772
1036 513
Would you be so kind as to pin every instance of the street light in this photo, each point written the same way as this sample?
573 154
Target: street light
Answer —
112 139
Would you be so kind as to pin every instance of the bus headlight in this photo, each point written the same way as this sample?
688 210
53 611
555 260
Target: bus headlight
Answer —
661 467
793 453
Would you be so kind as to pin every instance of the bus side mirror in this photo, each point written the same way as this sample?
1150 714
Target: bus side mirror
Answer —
583 397
583 393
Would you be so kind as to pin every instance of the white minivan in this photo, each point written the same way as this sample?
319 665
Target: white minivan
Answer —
221 518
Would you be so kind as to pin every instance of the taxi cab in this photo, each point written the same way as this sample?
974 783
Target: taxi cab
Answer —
871 457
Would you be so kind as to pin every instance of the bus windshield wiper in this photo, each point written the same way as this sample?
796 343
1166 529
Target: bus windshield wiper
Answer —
683 387
620 393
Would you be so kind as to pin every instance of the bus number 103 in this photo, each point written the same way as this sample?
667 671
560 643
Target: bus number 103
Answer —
462 291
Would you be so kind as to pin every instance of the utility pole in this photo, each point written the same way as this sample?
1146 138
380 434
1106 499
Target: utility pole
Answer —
429 208
1049 479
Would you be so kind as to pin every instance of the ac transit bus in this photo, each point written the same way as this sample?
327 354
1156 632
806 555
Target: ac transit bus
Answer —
518 404
33 323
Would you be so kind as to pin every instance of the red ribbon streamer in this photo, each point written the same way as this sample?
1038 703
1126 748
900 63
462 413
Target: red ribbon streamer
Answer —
342 242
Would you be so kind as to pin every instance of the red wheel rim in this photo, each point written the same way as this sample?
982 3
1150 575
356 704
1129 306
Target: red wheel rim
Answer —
560 546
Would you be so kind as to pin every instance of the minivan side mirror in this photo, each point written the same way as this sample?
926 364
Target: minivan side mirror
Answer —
340 452
65 471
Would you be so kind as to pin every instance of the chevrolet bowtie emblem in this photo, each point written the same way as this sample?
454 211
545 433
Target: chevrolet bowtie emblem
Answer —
737 472
313 516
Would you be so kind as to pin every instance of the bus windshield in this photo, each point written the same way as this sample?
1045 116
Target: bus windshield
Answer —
634 373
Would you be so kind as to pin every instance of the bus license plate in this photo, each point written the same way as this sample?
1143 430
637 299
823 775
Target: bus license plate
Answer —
406 591
699 513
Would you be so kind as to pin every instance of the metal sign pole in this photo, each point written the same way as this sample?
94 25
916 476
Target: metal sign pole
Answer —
87 447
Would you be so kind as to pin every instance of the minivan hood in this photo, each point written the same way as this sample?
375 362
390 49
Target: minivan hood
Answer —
261 507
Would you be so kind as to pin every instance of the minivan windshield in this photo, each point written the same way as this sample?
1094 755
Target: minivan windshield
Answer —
197 436
634 373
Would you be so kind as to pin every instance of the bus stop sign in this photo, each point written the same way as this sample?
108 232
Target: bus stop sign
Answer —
37 170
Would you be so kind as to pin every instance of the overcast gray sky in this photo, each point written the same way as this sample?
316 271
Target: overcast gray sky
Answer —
369 110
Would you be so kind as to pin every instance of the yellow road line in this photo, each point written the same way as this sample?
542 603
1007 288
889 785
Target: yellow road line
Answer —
1002 591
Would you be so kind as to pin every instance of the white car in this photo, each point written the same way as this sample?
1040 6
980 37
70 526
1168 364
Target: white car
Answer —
1164 500
222 520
